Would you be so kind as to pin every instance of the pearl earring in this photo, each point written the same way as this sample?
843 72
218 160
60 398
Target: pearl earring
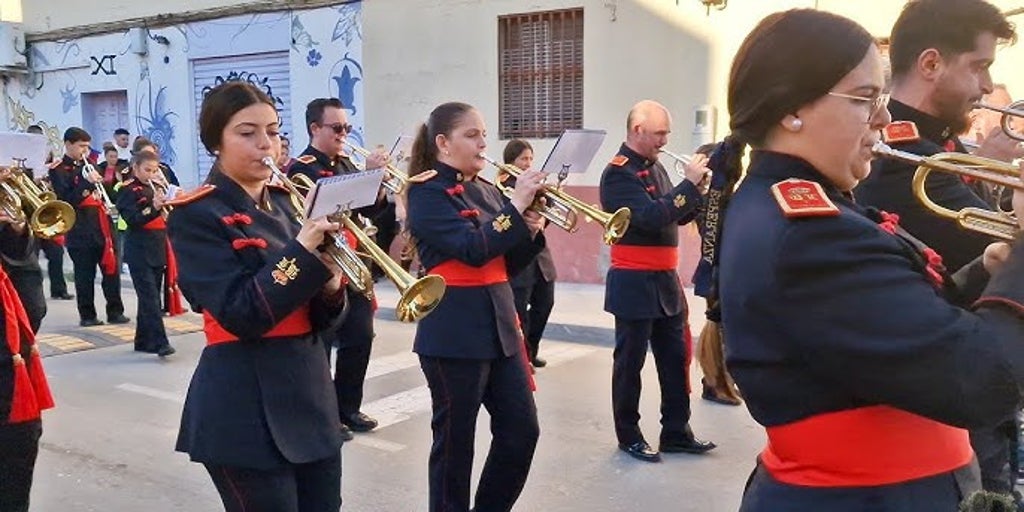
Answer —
796 124
447 153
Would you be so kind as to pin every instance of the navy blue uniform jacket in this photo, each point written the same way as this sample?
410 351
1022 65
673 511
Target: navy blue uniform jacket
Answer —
256 402
888 188
832 313
658 210
144 246
470 221
71 187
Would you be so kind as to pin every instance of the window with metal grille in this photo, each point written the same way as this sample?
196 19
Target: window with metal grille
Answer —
540 75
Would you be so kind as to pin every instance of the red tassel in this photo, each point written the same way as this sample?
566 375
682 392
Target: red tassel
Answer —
23 403
174 305
39 384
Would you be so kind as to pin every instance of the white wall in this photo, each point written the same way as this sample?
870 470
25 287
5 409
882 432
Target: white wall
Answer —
44 15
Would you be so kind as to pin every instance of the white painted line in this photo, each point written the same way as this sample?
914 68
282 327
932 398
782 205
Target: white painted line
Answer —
399 407
379 444
393 363
152 392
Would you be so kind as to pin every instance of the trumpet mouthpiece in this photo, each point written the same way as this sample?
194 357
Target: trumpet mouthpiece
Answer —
268 161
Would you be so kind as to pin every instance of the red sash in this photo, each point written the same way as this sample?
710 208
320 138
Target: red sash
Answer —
31 391
109 260
456 273
868 446
174 305
293 325
644 257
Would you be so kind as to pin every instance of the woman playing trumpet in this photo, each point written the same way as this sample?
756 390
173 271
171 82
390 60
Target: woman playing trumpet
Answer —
471 348
261 414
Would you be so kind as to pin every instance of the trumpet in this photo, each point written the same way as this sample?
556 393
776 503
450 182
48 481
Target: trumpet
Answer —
1009 112
88 169
563 210
395 179
993 223
160 187
22 200
418 296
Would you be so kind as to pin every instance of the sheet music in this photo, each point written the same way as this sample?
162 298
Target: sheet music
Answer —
343 192
31 147
401 150
573 152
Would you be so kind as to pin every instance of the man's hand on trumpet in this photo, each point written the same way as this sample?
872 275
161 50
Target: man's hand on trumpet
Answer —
997 145
997 253
697 171
379 158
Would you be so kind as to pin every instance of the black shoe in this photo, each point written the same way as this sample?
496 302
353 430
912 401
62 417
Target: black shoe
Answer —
641 450
710 395
359 422
119 319
63 296
346 433
538 362
145 349
90 322
165 351
688 444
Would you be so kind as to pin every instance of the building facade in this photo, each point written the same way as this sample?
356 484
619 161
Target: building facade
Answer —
533 68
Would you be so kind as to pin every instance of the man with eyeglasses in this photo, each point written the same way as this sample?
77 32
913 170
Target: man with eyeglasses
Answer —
327 126
940 53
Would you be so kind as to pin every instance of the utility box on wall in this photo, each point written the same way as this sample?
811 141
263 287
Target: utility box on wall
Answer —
704 119
12 48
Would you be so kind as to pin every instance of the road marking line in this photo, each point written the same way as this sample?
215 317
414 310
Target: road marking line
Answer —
152 392
378 444
390 364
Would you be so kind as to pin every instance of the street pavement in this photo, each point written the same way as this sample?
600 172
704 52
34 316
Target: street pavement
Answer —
109 443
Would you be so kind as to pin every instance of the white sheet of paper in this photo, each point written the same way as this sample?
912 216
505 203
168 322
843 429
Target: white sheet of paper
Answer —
344 192
29 146
402 149
573 151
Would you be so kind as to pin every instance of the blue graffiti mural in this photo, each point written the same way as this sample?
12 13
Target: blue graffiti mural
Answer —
301 39
313 58
262 83
155 124
70 98
347 26
345 74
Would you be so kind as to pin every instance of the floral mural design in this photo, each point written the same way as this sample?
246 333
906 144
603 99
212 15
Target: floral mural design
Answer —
348 27
22 118
301 39
313 57
345 74
246 76
153 120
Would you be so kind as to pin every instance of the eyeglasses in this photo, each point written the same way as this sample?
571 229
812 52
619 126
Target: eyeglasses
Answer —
339 128
875 105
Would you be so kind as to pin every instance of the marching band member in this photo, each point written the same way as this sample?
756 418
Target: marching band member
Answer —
90 242
52 248
24 392
643 290
260 415
840 327
940 53
534 286
327 126
471 349
146 251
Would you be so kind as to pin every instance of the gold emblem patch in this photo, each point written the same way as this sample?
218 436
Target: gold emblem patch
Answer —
502 223
285 272
679 200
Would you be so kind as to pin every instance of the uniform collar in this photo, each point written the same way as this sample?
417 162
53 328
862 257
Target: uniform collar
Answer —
783 166
633 156
929 126
449 173
321 157
71 161
232 192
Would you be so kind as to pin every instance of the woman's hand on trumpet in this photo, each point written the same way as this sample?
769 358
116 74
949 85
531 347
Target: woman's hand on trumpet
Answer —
528 184
313 232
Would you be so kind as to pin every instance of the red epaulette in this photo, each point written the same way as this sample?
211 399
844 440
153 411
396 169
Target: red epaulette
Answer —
192 196
802 198
900 131
54 164
619 160
306 159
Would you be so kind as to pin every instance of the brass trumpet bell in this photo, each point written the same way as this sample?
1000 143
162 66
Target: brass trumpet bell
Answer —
23 201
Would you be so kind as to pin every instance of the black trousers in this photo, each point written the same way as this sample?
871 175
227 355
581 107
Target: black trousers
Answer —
992 445
149 319
87 260
54 266
354 340
312 487
19 447
457 389
533 305
667 341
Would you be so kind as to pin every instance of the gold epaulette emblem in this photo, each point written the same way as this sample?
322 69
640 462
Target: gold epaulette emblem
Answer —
619 160
188 197
502 223
285 272
900 131
306 159
802 198
679 201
